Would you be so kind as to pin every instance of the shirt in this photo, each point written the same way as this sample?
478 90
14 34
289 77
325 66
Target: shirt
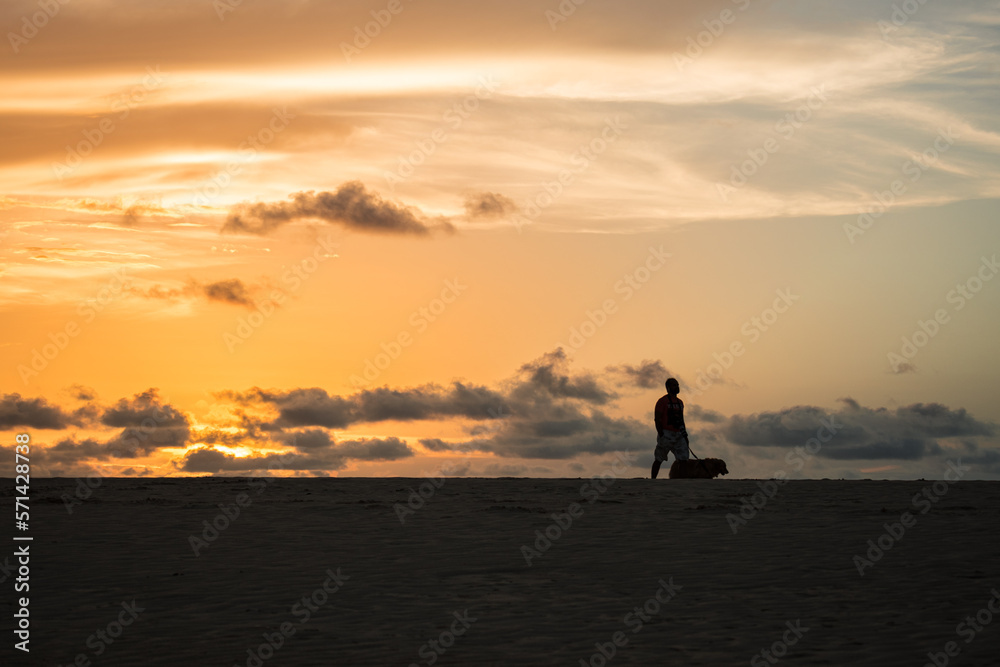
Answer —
669 414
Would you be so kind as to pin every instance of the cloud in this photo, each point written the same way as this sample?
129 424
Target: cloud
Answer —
309 440
545 410
229 291
299 407
143 410
888 94
986 461
453 469
543 390
147 424
232 291
489 205
69 451
132 442
436 445
549 375
82 393
506 470
647 375
351 205
138 35
113 210
538 436
696 413
906 433
427 402
939 421
315 407
159 292
215 436
212 460
131 215
786 428
136 442
333 457
33 413
375 449
126 215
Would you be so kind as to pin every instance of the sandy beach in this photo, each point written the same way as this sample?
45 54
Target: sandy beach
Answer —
510 572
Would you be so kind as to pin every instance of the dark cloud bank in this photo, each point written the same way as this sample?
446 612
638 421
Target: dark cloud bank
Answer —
546 410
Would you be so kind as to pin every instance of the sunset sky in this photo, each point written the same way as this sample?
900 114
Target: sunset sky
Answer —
400 237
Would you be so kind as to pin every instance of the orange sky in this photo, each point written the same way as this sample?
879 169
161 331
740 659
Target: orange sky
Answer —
484 237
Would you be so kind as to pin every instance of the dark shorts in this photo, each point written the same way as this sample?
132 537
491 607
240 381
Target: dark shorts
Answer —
671 441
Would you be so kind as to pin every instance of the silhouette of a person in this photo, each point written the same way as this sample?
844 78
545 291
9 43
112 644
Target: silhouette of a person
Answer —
671 434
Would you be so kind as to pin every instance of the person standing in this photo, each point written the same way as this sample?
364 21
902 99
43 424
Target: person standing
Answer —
671 434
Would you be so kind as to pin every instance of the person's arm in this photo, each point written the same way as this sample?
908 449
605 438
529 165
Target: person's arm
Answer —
683 426
658 418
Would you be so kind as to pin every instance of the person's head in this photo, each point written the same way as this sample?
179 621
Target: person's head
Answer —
673 386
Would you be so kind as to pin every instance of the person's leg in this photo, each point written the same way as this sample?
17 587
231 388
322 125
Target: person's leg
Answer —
681 449
659 456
